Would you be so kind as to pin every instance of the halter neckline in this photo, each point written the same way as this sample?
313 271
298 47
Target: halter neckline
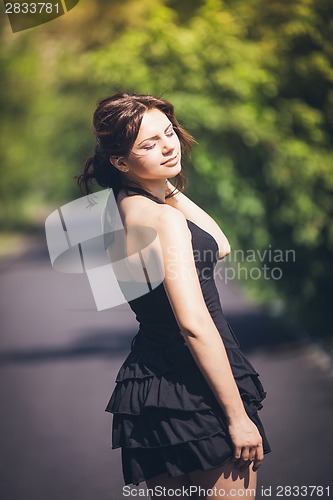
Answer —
142 191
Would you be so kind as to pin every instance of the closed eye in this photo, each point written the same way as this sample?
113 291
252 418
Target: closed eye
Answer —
149 147
170 133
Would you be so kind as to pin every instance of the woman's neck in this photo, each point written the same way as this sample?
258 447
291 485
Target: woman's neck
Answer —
157 189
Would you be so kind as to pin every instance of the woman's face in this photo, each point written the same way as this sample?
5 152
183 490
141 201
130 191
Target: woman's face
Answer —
156 153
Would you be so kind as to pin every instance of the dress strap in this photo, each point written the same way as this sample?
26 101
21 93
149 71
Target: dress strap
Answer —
143 192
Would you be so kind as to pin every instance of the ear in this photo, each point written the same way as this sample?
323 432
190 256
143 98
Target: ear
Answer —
119 163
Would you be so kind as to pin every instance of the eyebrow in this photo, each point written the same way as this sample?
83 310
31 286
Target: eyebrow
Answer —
155 137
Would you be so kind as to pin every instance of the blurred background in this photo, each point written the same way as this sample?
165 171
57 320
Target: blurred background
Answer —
253 82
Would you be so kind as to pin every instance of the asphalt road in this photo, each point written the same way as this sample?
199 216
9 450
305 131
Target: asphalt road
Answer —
59 358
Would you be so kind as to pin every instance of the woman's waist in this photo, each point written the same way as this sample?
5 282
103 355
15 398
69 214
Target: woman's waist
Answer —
150 338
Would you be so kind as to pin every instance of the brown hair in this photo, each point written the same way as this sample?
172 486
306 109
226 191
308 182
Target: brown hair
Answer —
116 122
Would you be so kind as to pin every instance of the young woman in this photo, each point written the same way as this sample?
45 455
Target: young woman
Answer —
186 399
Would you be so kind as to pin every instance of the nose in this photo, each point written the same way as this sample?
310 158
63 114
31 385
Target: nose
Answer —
168 145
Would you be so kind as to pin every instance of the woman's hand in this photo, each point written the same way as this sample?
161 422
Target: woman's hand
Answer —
247 443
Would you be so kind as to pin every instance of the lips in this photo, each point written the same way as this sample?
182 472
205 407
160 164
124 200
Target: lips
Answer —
171 162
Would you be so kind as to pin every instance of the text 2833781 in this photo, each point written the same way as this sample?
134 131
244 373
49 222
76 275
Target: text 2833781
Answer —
32 8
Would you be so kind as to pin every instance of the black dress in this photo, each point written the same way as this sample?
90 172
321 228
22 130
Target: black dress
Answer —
166 418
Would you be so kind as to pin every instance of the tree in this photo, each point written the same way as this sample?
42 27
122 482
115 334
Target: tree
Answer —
250 80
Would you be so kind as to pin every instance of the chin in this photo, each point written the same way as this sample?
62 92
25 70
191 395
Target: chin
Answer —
175 170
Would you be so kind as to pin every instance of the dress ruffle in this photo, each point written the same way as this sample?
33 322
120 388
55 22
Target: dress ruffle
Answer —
162 401
171 379
140 464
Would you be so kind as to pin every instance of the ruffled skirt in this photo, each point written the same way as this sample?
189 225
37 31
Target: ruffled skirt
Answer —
166 418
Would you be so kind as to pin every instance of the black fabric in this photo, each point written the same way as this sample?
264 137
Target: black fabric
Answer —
166 418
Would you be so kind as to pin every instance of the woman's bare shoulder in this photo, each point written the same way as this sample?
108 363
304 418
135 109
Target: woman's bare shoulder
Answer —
140 210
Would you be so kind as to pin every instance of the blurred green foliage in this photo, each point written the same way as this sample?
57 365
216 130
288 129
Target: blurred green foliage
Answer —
250 79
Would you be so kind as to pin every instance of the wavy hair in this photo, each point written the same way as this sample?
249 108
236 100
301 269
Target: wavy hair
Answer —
116 123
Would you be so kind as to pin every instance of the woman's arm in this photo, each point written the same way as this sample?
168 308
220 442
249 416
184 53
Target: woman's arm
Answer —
200 333
194 213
